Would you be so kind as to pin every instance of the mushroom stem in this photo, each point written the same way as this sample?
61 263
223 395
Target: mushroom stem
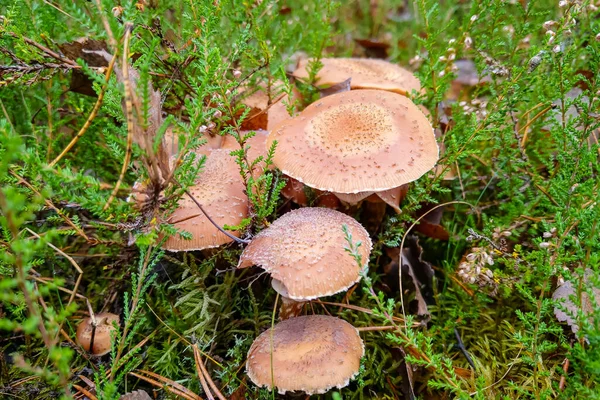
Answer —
290 308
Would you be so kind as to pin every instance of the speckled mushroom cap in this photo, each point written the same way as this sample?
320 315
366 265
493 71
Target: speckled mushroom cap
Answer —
356 141
220 190
104 326
364 73
313 354
304 250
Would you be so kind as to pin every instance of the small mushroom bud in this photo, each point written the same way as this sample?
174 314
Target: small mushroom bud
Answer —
96 339
237 73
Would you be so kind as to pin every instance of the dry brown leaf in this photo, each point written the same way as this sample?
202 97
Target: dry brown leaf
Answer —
565 294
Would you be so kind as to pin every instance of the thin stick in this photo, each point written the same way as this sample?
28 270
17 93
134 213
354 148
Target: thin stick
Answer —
129 108
92 115
52 206
75 265
70 63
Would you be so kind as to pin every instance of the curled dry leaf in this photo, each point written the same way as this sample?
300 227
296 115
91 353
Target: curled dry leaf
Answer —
565 294
85 49
413 266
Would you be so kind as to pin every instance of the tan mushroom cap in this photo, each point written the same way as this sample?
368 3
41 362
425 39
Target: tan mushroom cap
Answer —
104 327
364 73
305 251
312 353
356 141
220 190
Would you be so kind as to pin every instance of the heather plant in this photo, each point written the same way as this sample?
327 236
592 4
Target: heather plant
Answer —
101 98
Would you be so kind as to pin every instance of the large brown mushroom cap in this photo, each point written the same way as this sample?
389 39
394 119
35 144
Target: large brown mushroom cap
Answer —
220 190
312 353
356 141
364 73
104 327
304 250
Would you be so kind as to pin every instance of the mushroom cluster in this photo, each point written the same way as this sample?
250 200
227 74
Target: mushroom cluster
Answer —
360 144
365 144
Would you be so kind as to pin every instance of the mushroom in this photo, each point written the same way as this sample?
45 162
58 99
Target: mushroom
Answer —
356 141
305 253
311 354
220 190
364 73
96 339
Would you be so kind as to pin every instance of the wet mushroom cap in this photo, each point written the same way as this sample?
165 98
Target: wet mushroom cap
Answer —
220 190
104 327
356 141
311 353
364 73
304 250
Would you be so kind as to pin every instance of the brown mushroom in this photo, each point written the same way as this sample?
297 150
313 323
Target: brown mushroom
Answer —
356 141
311 354
100 334
305 253
220 190
364 73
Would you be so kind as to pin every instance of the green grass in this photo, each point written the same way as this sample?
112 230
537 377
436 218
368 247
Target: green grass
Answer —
527 164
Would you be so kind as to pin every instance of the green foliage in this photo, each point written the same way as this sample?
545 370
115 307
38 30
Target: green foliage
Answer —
523 143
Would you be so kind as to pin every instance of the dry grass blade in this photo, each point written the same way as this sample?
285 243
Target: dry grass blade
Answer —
92 115
128 106
198 361
166 384
85 392
211 383
360 309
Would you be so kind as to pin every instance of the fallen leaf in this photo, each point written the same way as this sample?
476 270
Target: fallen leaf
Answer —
337 88
565 294
430 225
413 266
